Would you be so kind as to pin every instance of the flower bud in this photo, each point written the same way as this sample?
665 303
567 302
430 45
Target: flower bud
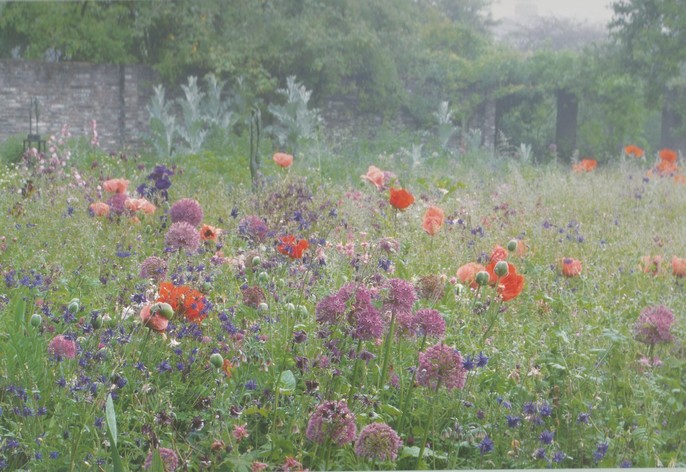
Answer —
162 309
501 269
97 322
512 245
263 277
290 308
74 305
302 310
217 360
482 277
36 320
256 261
263 307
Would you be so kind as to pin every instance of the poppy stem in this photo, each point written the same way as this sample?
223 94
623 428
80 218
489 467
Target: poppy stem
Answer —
387 351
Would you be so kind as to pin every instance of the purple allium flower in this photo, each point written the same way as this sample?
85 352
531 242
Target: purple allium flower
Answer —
441 366
182 235
486 445
547 437
62 347
367 323
429 322
653 325
169 459
187 210
253 296
117 203
400 297
378 441
332 420
254 228
154 268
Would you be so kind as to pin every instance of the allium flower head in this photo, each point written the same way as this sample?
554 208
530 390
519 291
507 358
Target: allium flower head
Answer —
254 228
154 268
367 323
168 456
653 325
431 287
117 203
62 346
429 322
378 441
332 308
332 420
441 366
182 235
187 210
400 296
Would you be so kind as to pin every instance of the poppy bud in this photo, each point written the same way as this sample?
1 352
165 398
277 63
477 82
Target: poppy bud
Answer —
263 307
459 289
290 308
482 277
36 320
501 269
74 305
262 277
512 245
162 309
217 360
256 261
302 310
97 322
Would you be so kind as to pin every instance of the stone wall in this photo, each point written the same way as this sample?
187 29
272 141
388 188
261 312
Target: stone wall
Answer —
74 94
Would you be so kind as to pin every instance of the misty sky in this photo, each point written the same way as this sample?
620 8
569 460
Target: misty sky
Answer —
581 10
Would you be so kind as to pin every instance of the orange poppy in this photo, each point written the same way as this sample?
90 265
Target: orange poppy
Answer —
667 155
509 286
184 301
467 273
291 247
227 367
140 204
401 198
679 266
586 165
679 179
115 185
209 233
634 151
433 220
375 176
570 267
100 209
665 167
651 264
155 322
499 254
282 159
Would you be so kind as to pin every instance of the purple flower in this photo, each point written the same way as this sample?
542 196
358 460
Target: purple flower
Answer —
182 235
481 360
441 366
429 322
513 421
400 297
187 210
117 203
378 441
367 323
61 346
486 445
154 268
168 456
546 437
653 325
559 456
332 420
254 228
600 451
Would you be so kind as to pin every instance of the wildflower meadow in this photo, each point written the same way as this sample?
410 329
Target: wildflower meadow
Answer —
344 311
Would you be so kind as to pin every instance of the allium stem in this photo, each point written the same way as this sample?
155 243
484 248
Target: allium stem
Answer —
410 389
387 351
429 426
351 392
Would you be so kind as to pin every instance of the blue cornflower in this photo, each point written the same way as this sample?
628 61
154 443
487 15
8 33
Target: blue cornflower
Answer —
54 455
481 360
486 445
583 418
626 464
559 456
513 421
468 363
545 410
546 437
529 408
164 366
99 422
38 456
540 453
600 451
251 385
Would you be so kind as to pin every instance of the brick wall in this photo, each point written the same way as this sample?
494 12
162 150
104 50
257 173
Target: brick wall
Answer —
75 93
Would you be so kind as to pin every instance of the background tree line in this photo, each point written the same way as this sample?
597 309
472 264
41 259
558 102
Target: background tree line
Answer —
395 56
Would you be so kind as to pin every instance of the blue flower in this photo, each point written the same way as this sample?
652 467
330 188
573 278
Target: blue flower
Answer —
486 445
481 360
559 456
546 437
468 363
600 451
54 455
513 421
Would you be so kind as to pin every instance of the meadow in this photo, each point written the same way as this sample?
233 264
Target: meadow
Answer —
491 314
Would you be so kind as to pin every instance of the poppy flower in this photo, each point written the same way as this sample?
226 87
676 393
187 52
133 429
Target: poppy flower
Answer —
140 204
115 185
499 254
679 266
570 267
401 198
509 286
227 367
665 167
155 322
100 209
467 274
291 247
283 160
651 264
375 176
433 220
634 151
184 300
586 165
209 233
667 155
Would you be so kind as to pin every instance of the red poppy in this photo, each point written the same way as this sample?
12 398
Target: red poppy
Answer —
291 247
586 165
634 151
570 267
467 274
375 176
401 198
155 322
509 286
666 167
209 233
433 220
679 266
667 155
499 254
185 301
282 159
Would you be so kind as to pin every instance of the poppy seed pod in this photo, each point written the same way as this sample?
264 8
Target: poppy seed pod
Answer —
162 309
73 305
96 323
512 245
501 269
217 360
482 277
36 320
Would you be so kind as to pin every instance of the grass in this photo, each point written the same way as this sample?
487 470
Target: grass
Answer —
565 384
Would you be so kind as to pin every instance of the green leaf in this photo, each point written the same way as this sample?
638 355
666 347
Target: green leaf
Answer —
156 465
287 382
391 410
111 417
